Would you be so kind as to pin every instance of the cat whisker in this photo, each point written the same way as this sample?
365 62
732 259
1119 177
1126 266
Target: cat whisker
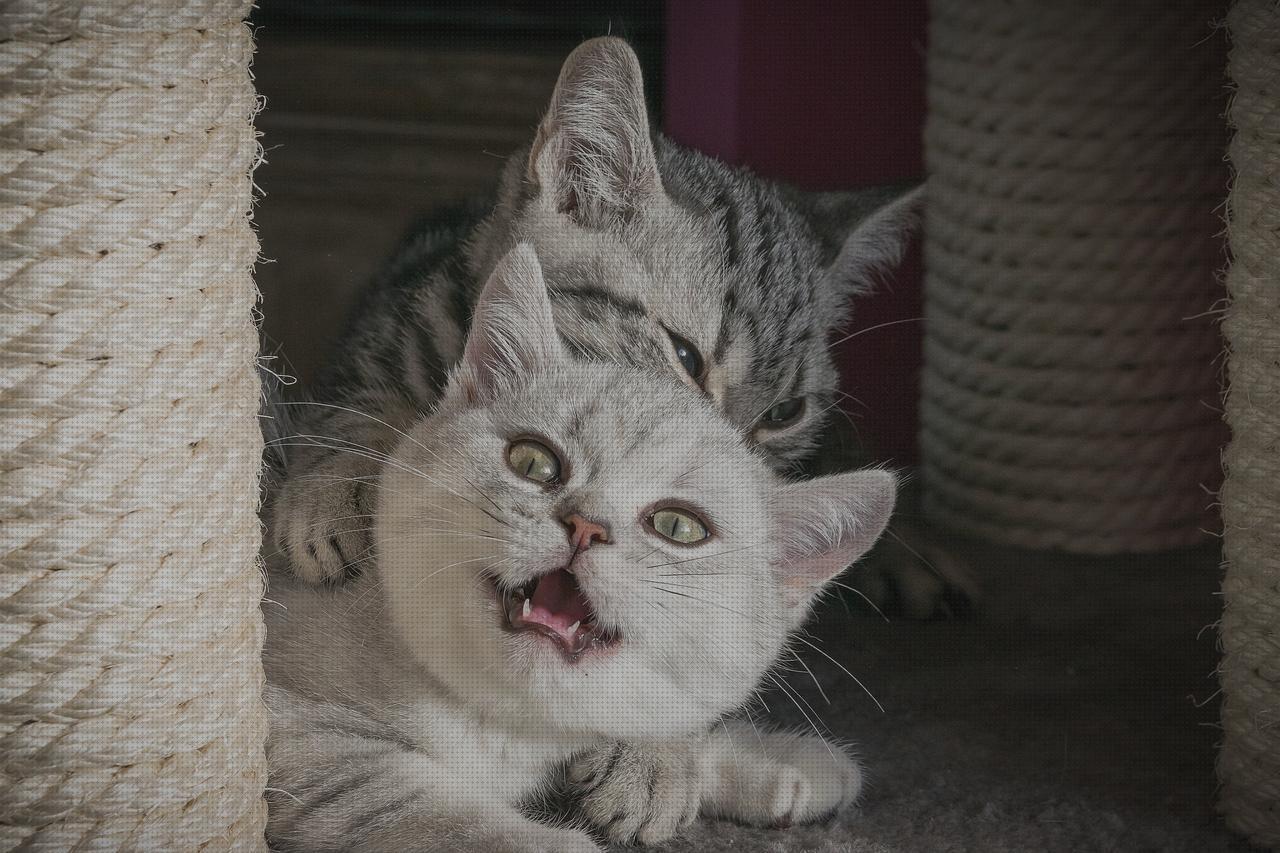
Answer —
797 636
674 623
797 699
843 669
411 470
422 580
485 496
363 453
328 442
342 445
927 564
401 433
667 663
328 521
373 481
884 325
702 574
663 588
816 683
861 595
847 396
751 718
706 556
501 521
493 563
685 474
434 531
464 534
834 404
358 412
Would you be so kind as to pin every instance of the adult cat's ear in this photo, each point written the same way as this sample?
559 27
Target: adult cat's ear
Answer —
512 331
825 524
864 233
593 156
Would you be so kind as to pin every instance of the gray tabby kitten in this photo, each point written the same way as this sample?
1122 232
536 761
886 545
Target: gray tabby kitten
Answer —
657 257
570 553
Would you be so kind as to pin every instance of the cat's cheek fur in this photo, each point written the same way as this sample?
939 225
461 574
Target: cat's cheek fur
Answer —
440 609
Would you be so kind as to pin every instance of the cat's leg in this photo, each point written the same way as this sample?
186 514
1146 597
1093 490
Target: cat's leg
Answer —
775 778
336 791
915 572
641 791
322 515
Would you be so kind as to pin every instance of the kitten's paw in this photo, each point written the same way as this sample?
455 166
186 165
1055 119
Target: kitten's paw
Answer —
644 792
916 575
322 519
801 794
792 779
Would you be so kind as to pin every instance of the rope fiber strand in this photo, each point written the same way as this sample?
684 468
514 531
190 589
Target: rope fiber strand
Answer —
1070 391
1249 763
130 714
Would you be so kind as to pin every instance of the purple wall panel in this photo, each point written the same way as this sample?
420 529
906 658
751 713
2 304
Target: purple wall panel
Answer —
825 95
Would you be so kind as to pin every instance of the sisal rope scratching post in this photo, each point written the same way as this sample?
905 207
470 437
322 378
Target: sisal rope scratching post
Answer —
1074 155
1249 764
130 717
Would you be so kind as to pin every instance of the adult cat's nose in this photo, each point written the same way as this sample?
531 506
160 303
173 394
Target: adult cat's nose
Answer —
583 531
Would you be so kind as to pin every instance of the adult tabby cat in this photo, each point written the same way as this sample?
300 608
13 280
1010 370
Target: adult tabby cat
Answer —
570 554
656 256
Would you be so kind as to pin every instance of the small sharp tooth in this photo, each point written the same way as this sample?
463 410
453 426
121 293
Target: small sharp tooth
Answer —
573 629
527 608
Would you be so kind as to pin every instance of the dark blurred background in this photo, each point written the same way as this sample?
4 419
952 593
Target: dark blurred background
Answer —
378 111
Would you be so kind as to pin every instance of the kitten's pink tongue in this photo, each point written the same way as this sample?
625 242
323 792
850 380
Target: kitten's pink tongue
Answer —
557 603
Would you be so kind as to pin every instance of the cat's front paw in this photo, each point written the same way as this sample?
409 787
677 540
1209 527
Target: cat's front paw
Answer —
800 794
323 521
643 792
915 574
779 779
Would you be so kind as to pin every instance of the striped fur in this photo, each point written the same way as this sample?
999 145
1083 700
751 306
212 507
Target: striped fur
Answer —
639 239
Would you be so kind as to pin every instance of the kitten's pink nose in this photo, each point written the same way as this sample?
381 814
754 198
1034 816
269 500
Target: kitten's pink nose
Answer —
583 531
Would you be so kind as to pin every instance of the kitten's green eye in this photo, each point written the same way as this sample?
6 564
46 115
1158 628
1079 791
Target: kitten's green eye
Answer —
533 460
784 414
679 525
688 356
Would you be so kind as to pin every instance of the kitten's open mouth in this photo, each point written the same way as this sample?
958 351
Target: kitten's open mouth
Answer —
553 605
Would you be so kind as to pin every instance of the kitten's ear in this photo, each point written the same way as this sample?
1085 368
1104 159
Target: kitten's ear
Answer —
593 155
825 524
874 227
512 331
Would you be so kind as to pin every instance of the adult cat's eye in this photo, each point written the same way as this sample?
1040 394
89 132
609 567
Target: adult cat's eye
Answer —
783 414
688 356
534 461
679 525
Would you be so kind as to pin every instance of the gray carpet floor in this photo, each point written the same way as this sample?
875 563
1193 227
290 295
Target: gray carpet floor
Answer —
1077 711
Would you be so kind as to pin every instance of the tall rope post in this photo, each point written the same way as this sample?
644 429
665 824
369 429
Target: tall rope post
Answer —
1075 170
1249 763
130 673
